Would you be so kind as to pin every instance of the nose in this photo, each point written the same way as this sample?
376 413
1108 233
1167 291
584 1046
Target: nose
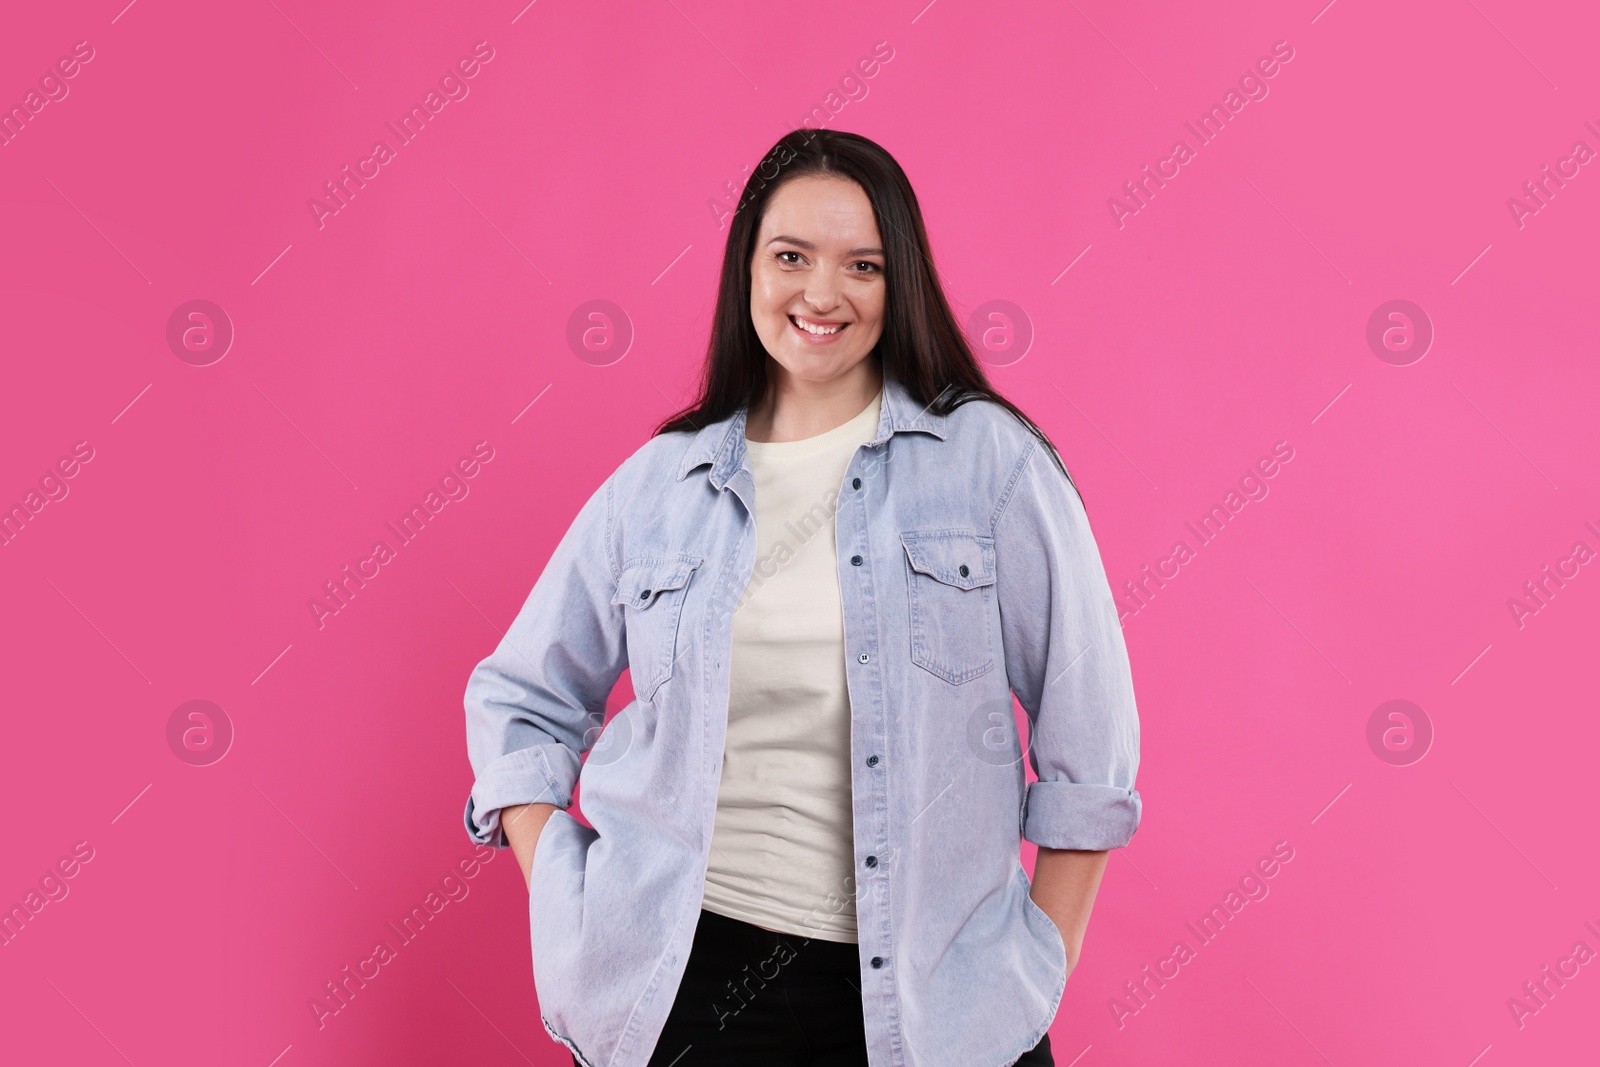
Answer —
822 292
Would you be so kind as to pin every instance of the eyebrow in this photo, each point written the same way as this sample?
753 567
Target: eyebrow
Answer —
809 247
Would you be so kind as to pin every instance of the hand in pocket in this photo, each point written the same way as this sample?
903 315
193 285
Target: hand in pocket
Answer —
522 825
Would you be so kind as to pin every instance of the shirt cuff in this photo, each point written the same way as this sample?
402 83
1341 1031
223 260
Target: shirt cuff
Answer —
539 774
1080 815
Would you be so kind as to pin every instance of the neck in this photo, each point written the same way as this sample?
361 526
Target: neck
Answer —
796 408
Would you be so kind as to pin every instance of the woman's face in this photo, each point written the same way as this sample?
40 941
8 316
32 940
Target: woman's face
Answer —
819 262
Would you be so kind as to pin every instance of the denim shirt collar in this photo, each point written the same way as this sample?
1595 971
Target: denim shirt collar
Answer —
721 444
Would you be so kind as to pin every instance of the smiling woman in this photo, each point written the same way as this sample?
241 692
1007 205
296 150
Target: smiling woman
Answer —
795 851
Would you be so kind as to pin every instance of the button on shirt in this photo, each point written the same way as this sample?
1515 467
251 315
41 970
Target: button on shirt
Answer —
979 579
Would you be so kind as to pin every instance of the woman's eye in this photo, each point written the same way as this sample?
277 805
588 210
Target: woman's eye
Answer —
871 266
787 262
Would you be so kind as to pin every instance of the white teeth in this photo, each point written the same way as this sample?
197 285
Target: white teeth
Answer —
819 330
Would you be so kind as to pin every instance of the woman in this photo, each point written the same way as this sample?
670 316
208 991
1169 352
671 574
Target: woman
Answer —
827 578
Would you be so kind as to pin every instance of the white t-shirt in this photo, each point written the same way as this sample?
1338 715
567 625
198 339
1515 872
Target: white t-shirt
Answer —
783 846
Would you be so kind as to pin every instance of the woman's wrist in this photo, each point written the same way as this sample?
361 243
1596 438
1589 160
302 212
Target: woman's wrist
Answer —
1065 882
522 824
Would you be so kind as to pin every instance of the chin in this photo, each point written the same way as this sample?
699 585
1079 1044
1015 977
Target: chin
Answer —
820 368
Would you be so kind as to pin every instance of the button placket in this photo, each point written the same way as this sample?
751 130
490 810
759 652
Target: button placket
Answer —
875 788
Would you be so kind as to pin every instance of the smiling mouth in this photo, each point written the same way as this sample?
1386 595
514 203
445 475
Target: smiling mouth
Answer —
818 331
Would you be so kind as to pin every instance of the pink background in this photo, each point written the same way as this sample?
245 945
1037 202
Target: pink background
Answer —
1229 313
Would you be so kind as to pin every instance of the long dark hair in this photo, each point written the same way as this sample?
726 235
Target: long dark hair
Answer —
922 346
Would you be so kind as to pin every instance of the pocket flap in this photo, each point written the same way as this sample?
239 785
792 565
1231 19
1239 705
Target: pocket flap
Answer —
954 557
643 580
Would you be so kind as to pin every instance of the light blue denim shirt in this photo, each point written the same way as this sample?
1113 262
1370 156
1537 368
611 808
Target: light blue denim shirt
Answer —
967 573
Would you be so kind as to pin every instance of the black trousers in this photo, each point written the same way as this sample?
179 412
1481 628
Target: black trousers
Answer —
751 996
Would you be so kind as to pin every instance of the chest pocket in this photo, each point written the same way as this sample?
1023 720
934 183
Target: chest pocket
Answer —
951 578
652 592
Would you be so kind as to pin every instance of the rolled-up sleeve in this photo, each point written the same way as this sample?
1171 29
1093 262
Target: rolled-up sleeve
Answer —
1067 663
530 704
